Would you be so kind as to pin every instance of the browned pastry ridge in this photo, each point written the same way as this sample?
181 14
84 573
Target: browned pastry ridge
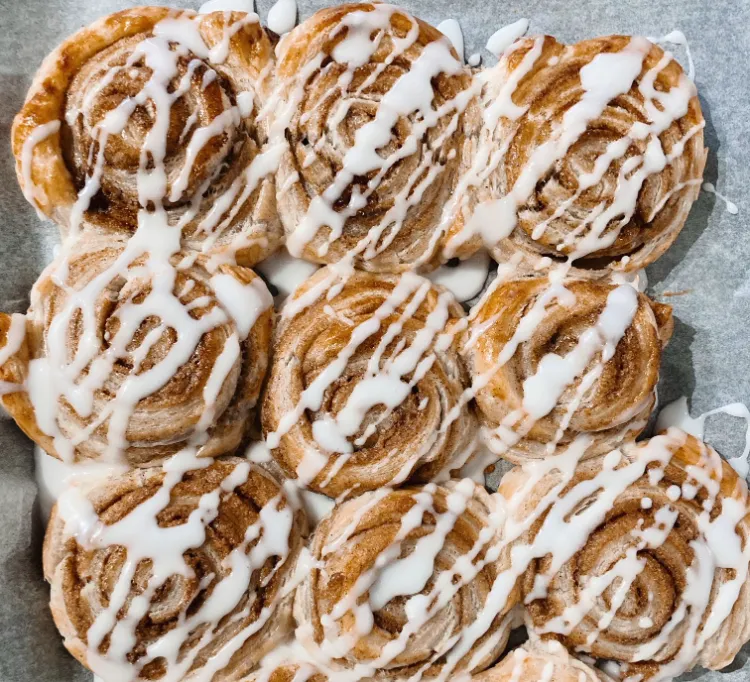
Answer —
412 441
346 546
544 94
83 578
615 407
164 421
212 139
653 618
320 136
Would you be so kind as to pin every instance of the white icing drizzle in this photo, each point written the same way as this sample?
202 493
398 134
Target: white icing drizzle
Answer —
466 280
244 303
383 583
678 38
452 29
14 337
677 414
285 273
144 539
54 477
505 36
58 375
605 77
407 577
282 17
730 206
555 373
569 518
542 391
561 536
386 384
39 134
411 97
176 38
383 385
316 506
638 279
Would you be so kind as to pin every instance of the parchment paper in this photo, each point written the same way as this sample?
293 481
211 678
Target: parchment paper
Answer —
707 359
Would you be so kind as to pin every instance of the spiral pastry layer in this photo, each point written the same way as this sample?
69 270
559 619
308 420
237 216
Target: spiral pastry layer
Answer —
640 556
365 383
373 104
122 356
175 573
554 361
175 150
591 152
541 661
400 579
155 107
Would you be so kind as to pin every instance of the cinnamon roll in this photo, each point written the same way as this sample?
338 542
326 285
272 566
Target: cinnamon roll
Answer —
365 382
152 107
182 572
541 661
590 152
372 102
400 582
552 361
130 354
639 557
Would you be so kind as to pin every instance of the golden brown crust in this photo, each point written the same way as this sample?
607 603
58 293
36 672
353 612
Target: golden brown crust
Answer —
615 407
45 103
84 79
164 421
414 440
83 578
544 94
349 541
313 160
647 633
14 370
